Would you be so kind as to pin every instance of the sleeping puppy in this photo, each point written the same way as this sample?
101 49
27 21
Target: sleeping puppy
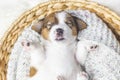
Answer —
100 62
59 31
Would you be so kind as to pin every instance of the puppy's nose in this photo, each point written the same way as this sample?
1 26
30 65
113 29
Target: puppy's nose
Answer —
59 30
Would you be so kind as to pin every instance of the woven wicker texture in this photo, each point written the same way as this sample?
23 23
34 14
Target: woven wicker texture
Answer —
41 11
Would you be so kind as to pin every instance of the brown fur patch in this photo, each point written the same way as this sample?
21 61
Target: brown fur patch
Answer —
45 33
32 71
81 24
71 23
74 31
76 23
37 26
50 20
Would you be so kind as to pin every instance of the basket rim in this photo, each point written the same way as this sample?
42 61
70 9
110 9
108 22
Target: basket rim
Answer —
54 1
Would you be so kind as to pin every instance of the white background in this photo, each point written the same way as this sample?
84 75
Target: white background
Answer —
12 9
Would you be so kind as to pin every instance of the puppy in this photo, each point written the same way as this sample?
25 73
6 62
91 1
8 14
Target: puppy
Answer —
100 62
59 31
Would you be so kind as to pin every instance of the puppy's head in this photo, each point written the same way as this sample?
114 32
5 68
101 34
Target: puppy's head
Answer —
59 27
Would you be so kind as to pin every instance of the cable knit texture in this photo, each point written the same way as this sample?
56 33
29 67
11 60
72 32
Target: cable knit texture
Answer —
102 62
97 30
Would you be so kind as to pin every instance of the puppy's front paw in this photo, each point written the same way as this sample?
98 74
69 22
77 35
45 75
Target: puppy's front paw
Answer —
92 47
26 44
82 76
60 78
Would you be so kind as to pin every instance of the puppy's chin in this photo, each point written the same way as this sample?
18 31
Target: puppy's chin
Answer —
59 38
63 40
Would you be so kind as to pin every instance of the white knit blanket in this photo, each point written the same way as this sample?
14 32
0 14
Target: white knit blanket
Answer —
97 30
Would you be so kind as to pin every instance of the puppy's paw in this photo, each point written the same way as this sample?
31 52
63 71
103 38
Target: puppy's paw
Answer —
60 78
92 47
82 76
26 44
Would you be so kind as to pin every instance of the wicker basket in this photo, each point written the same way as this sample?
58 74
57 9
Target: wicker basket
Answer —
41 11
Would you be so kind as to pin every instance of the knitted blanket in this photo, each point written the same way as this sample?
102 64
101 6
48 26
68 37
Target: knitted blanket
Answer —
100 61
97 30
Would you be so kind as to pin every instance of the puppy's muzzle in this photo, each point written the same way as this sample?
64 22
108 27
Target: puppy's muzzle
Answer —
59 34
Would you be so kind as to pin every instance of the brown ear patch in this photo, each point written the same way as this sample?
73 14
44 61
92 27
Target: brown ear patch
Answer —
32 71
71 23
37 26
35 29
45 33
74 31
80 23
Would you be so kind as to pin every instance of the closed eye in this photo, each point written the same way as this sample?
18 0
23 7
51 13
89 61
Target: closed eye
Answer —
69 23
49 25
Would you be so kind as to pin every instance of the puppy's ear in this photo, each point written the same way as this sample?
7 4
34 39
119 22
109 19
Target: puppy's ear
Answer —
80 23
38 25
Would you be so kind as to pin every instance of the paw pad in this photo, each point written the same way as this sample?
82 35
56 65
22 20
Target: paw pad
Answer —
25 44
84 74
93 47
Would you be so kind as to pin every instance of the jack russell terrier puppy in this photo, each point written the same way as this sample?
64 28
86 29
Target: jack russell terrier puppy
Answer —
100 62
59 31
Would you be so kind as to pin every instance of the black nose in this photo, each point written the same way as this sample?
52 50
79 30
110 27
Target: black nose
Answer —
59 30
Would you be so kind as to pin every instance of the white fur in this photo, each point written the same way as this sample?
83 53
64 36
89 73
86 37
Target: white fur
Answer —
61 60
102 63
61 17
37 55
